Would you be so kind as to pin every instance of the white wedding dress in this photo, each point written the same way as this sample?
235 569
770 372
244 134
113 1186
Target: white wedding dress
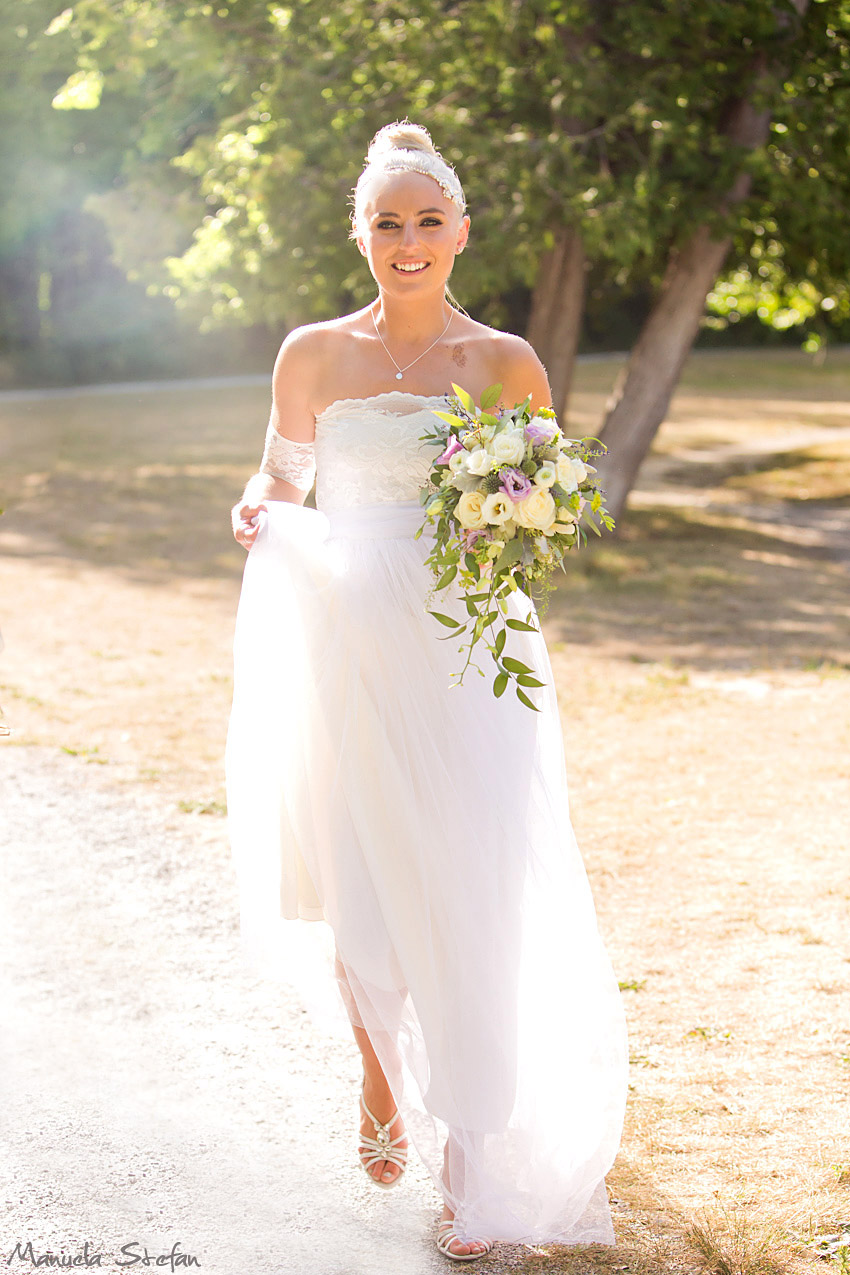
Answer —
427 827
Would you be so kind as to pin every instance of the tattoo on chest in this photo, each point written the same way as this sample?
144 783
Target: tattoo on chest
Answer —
459 355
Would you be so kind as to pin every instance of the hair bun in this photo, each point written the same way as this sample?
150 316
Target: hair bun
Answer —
402 135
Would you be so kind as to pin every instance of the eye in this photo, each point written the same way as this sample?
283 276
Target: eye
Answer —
431 221
387 225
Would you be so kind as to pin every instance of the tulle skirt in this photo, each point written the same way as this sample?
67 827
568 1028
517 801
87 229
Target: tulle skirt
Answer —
426 826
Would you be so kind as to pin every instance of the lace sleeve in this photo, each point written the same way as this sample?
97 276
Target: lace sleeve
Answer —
291 461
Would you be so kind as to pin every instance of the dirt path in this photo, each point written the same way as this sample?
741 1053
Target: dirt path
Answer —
153 1093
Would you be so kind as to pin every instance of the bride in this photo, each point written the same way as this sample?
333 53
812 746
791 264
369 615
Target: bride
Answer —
427 825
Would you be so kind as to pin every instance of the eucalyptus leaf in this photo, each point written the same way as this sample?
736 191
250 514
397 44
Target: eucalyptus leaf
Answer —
451 418
445 619
466 399
522 696
511 553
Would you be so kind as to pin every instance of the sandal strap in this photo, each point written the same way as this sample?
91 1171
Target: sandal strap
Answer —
372 1150
384 1150
375 1158
389 1144
383 1142
446 1233
375 1121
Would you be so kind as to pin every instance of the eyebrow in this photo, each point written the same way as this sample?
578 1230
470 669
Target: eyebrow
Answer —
421 212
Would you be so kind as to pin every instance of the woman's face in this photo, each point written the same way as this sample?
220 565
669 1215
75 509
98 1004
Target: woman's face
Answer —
409 232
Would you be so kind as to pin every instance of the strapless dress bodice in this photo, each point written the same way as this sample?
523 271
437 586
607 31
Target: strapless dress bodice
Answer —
369 451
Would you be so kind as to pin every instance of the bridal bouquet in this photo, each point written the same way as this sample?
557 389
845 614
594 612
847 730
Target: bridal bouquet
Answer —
509 495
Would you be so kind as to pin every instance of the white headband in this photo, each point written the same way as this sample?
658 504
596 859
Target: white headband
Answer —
399 159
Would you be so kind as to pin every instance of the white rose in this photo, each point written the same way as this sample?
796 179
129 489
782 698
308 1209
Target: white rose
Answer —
468 510
498 508
508 447
479 462
537 510
565 472
571 472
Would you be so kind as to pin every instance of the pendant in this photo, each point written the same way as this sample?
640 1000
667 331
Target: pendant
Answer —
398 376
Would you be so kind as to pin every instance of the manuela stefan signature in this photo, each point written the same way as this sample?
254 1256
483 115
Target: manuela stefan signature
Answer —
132 1254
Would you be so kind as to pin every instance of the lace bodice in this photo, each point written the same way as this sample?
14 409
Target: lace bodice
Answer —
368 450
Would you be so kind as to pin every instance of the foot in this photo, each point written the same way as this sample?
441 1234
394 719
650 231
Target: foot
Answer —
381 1103
461 1248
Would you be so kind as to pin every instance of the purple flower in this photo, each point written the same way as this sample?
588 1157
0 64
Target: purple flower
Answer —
540 430
454 446
515 484
469 539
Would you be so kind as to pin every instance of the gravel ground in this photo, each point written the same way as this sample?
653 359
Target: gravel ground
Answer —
156 1094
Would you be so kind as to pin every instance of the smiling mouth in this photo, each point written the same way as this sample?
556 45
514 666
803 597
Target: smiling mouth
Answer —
410 267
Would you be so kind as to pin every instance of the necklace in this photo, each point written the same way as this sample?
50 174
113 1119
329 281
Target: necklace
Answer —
400 371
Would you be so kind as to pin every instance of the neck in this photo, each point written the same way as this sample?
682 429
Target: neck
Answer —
415 322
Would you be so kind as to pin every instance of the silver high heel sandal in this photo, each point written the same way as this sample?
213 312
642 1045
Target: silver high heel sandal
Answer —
446 1235
382 1146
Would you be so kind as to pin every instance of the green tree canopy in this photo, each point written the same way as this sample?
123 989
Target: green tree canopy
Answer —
696 152
604 116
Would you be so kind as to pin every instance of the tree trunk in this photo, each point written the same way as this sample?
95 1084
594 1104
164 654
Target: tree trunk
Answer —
641 397
556 312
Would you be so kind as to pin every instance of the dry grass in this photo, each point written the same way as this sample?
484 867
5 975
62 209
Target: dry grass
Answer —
703 666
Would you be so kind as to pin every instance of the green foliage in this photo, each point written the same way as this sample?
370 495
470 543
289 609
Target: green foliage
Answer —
219 144
555 111
63 138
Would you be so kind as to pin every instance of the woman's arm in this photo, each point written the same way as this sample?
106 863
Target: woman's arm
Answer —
292 420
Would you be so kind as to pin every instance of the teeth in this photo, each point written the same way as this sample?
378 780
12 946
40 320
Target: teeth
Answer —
410 268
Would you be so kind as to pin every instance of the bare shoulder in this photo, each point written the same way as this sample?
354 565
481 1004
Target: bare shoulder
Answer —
511 361
304 350
297 373
310 355
520 371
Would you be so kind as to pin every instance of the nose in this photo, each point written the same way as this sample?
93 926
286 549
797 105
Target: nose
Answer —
409 234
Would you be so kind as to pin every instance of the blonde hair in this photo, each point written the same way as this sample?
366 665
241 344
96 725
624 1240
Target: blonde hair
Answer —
407 147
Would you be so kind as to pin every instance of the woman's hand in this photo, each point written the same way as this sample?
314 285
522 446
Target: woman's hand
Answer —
246 522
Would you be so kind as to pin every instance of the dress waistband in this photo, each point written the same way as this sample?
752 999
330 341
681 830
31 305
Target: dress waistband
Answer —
388 520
